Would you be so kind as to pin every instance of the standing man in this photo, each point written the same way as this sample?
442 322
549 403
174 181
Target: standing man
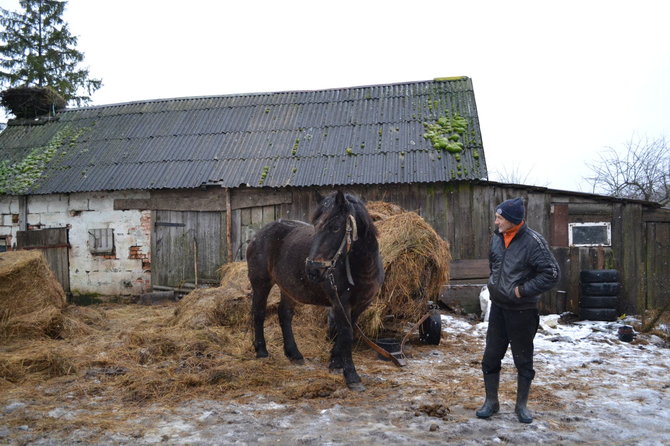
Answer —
522 268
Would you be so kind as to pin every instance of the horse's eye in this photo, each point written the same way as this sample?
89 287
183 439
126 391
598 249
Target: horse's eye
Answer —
333 227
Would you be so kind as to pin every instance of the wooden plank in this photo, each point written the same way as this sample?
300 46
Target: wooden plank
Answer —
464 297
256 217
660 215
572 274
268 214
124 204
632 267
229 228
469 269
537 213
212 199
176 200
603 209
658 265
250 198
559 225
238 252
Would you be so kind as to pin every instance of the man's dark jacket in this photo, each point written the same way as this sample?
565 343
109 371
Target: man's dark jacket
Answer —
527 263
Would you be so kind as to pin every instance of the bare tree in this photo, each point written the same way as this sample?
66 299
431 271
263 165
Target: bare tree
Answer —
515 175
642 172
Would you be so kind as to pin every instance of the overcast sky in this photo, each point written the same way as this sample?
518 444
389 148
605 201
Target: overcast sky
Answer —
555 82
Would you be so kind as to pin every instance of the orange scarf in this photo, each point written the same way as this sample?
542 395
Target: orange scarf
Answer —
509 235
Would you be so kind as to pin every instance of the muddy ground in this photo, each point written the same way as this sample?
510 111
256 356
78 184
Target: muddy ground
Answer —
591 388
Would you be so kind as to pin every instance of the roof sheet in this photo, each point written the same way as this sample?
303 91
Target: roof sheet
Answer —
359 135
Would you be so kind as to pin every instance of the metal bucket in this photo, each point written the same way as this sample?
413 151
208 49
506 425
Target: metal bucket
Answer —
626 333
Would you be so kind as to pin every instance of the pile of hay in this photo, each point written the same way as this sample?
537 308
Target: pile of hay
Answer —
227 305
381 210
208 307
33 303
416 264
230 304
31 299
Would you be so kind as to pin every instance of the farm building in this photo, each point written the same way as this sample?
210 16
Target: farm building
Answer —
159 194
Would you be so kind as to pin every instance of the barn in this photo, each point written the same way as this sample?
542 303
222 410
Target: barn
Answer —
126 198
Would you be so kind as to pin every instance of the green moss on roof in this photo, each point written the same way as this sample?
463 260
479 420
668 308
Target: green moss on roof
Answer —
446 133
22 176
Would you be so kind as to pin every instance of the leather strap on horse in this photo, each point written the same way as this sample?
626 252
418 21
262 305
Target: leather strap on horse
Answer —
350 236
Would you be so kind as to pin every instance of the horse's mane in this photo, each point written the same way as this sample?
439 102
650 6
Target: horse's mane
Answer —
364 221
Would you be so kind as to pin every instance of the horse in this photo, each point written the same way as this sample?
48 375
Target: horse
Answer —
333 262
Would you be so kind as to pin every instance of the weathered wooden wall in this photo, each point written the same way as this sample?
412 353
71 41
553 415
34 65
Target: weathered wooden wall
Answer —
463 213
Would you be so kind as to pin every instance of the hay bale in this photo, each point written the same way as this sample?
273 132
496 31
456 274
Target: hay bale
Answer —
227 305
416 264
31 299
381 210
234 274
212 306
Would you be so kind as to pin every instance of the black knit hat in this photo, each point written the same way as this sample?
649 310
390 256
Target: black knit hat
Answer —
512 210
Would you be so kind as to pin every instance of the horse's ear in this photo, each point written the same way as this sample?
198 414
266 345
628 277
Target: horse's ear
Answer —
318 197
340 199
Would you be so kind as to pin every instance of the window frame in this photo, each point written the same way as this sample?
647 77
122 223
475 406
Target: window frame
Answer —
608 228
99 234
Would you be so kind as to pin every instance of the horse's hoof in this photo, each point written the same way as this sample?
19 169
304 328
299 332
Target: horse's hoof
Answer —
356 387
262 354
300 361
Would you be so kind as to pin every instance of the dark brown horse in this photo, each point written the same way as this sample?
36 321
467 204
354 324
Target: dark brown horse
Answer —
335 263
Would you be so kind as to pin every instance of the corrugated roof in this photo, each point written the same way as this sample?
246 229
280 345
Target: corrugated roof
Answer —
360 135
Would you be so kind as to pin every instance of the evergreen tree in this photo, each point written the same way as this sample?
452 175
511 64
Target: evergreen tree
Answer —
37 50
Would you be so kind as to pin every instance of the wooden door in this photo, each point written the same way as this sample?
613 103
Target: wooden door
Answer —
658 264
246 222
186 246
53 243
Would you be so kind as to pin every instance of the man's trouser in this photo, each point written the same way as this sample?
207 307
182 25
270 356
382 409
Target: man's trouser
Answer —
511 327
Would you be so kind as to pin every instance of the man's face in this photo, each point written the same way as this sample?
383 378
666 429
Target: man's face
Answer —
503 224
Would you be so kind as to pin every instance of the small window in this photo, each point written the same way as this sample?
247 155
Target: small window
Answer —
101 241
590 234
3 244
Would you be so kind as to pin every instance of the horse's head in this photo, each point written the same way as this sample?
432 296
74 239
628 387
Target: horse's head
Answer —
335 231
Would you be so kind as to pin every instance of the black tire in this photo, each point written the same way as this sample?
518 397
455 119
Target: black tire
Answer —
598 314
599 275
599 301
430 331
601 289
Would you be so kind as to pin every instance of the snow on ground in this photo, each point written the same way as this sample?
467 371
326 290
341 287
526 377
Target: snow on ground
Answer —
590 388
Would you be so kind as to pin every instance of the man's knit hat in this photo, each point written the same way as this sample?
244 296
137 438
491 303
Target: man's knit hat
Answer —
512 210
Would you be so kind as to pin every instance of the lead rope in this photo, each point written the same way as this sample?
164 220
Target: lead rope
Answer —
400 362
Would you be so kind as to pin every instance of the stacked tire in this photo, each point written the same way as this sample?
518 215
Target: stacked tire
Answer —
599 294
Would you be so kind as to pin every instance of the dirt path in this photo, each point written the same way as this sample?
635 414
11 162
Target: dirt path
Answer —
590 389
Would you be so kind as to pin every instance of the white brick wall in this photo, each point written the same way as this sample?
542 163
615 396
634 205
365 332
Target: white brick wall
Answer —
89 273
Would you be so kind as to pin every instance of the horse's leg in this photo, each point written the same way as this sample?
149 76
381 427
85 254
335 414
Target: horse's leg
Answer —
286 310
335 365
259 301
343 345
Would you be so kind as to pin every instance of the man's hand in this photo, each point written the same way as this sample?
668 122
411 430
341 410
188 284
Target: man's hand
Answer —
516 292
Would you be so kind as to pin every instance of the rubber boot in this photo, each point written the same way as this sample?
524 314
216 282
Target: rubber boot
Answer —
491 404
523 388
